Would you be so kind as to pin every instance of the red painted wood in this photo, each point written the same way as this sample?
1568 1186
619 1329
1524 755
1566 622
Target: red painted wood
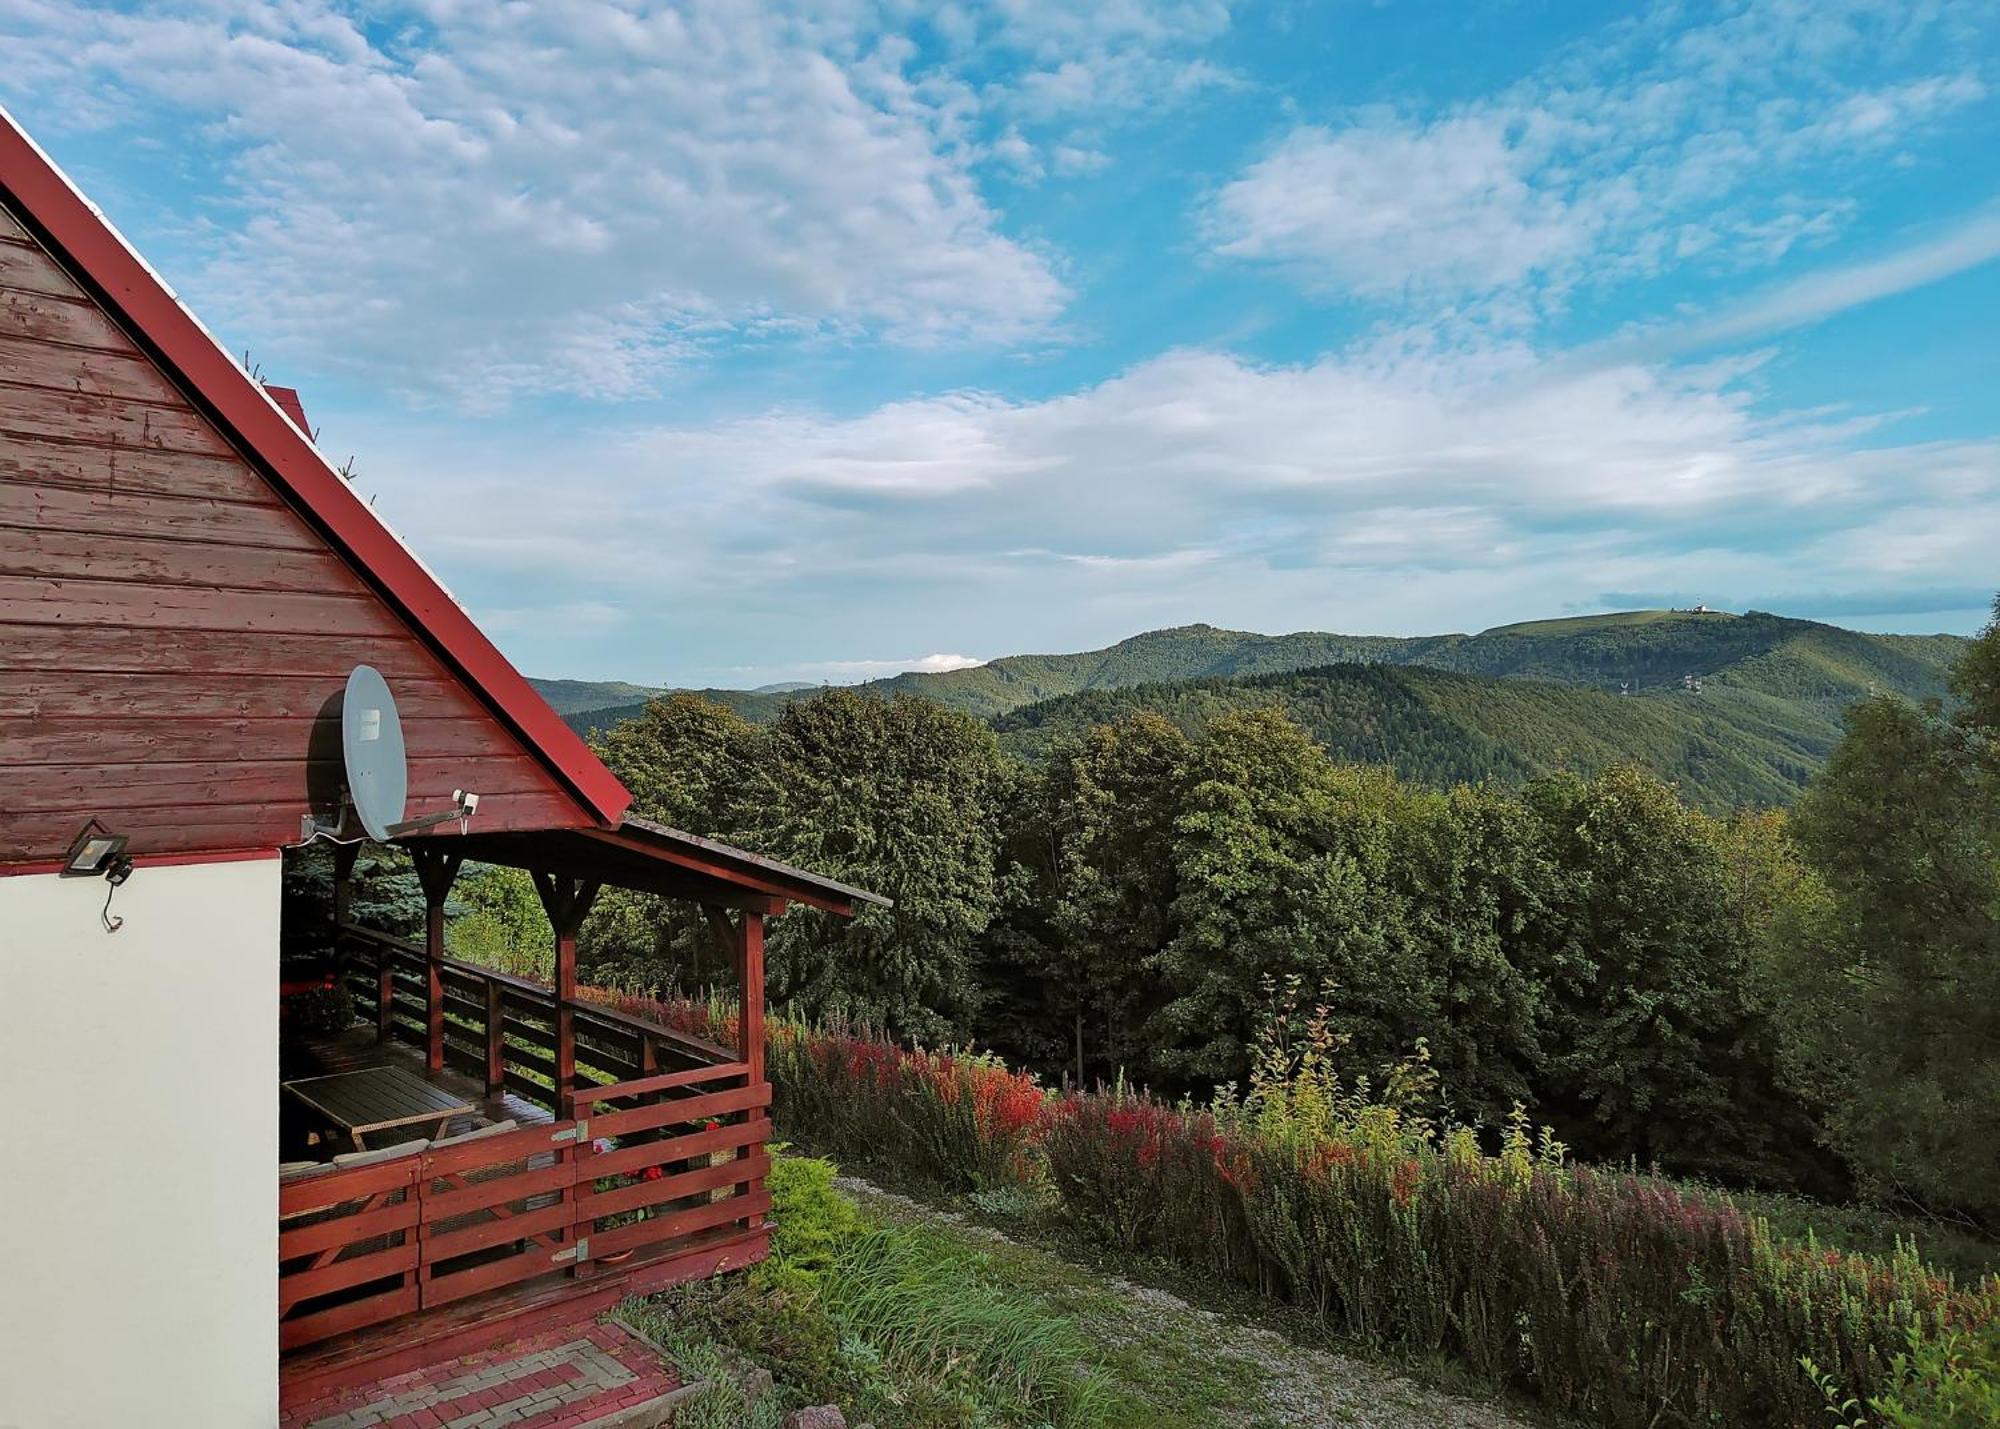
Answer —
311 1373
106 374
679 1223
140 561
41 506
36 411
58 320
679 1110
305 1329
251 422
25 268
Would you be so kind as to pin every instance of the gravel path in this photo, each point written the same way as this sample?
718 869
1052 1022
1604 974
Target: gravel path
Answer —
1236 1373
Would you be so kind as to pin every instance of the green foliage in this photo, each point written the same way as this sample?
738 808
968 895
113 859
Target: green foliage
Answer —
899 1324
813 1219
501 923
1946 1380
1891 953
1621 1299
385 895
1660 1047
902 797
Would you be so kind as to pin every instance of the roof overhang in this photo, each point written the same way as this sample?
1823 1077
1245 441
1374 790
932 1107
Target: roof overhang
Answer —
653 858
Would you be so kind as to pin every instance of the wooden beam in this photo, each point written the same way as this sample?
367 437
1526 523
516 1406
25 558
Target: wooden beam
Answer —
343 881
436 871
567 902
750 1021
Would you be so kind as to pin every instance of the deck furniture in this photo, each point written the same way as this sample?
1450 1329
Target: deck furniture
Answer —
378 1099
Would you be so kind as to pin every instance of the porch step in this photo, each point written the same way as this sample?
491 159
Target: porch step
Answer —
590 1376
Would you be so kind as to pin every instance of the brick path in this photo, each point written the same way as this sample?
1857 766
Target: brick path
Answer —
561 1379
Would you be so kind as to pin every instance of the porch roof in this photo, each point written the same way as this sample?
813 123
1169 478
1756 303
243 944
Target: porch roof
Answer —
653 858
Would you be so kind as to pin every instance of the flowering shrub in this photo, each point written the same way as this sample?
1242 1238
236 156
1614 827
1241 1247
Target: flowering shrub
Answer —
1617 1297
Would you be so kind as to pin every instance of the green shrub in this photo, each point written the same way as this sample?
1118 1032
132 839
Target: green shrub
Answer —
812 1219
1948 1380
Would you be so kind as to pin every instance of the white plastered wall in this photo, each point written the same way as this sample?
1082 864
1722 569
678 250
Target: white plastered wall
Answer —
138 1147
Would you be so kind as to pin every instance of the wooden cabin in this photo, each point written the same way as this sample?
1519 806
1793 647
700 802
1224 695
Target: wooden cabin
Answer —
204 1216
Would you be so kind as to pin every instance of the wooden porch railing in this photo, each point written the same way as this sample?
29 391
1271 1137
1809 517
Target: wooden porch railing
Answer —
650 1163
500 1029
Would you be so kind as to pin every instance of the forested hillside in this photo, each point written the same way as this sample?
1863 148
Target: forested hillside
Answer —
1508 704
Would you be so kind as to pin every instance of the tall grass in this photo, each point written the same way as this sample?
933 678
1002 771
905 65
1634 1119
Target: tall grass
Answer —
1617 1297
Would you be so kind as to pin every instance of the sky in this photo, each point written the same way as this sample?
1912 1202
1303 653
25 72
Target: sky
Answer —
721 343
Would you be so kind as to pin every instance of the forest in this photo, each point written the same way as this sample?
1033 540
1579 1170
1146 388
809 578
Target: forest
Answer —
1802 999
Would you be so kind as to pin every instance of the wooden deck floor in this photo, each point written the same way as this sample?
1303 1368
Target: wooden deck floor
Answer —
319 1055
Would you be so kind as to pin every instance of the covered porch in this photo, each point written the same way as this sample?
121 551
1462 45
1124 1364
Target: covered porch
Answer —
580 1154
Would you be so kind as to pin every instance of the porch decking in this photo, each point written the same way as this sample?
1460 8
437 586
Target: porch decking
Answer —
644 1170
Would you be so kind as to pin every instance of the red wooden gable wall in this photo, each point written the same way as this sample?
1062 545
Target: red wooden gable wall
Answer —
171 630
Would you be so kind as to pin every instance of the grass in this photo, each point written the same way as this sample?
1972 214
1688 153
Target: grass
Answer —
909 1314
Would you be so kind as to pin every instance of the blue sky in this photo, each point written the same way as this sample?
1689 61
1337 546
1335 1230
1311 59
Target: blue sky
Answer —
720 343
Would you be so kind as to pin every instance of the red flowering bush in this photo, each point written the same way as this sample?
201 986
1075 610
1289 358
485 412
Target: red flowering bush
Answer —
1618 1298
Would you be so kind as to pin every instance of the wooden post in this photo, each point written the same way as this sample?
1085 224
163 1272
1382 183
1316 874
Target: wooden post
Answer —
744 939
496 1039
385 993
436 870
343 883
567 901
750 978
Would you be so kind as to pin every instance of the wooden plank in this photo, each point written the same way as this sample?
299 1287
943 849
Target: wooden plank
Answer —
345 1274
347 1230
31 270
183 784
342 1319
444 1289
111 421
448 1245
353 1183
684 1109
501 1190
11 229
133 740
41 506
667 1081
591 1204
57 554
75 369
62 694
114 648
679 1223
626 1160
41 317
83 467
39 600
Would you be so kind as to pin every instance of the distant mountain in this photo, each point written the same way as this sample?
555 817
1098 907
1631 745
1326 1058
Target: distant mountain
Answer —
568 697
1578 692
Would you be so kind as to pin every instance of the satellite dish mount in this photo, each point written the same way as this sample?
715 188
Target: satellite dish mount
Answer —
377 770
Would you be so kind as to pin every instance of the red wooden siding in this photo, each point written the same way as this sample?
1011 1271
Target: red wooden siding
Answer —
171 629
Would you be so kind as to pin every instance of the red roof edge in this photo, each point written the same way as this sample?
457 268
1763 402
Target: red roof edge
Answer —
148 308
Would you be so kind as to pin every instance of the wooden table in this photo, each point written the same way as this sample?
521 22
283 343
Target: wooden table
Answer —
378 1099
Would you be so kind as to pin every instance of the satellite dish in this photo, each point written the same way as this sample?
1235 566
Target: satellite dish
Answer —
371 745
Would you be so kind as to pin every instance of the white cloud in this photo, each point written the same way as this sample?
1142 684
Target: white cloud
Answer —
1654 143
1392 486
1386 206
853 672
486 199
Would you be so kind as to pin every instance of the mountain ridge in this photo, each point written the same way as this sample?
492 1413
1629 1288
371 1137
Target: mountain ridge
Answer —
1577 691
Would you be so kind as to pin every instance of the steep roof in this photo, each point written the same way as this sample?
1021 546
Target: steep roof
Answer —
252 419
